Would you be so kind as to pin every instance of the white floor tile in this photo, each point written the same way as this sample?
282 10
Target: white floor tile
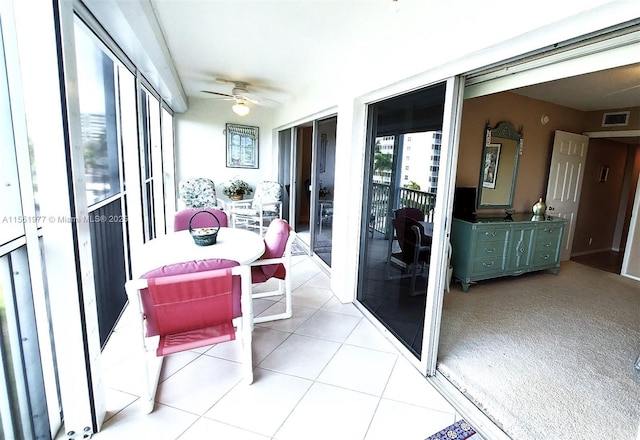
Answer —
116 401
164 423
366 335
310 296
299 315
328 412
210 429
321 280
265 340
407 385
175 362
199 385
301 356
397 420
263 406
329 325
359 369
334 305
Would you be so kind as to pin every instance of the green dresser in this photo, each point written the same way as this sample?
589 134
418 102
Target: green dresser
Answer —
490 247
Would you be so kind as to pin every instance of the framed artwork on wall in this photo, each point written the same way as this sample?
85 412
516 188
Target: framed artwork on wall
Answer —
242 146
322 154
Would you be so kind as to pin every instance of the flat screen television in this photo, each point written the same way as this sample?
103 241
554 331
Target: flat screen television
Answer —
464 202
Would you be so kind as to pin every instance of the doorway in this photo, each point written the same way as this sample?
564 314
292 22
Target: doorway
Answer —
312 183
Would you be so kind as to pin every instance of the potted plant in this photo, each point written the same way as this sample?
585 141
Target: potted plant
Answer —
236 188
324 192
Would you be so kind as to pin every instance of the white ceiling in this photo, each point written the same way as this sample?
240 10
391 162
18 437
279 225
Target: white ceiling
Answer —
283 48
607 89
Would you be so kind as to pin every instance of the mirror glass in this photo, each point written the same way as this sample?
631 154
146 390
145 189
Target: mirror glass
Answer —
499 166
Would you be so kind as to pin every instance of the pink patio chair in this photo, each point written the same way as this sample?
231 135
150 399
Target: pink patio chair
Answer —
275 263
191 305
181 219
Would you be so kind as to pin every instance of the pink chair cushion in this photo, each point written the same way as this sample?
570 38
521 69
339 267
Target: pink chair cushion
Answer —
275 243
192 309
184 268
181 219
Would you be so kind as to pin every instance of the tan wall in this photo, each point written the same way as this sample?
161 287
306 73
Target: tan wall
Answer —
600 200
522 112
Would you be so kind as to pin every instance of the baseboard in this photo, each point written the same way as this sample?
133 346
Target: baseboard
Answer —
593 251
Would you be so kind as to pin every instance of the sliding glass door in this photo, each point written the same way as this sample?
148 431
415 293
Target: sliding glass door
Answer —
322 187
406 195
307 165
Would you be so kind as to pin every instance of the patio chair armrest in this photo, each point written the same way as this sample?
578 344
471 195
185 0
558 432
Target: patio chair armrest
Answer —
267 261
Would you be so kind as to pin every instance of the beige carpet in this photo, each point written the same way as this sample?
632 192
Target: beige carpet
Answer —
548 356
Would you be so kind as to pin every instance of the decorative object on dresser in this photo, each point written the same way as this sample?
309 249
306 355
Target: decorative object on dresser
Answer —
539 209
489 247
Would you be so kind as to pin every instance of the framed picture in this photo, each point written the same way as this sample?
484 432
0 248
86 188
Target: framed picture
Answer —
322 154
491 160
242 146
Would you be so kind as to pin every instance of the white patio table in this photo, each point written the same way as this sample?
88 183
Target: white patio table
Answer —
239 245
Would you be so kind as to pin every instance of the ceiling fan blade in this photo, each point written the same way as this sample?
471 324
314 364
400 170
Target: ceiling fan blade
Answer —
259 100
226 95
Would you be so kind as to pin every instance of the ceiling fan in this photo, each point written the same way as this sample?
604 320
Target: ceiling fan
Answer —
241 95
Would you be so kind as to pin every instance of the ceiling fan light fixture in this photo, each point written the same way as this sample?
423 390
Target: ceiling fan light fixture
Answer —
240 108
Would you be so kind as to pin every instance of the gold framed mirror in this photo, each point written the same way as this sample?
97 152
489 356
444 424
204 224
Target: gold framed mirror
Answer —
499 166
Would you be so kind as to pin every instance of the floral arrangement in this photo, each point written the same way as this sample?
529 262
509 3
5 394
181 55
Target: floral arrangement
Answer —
236 187
324 192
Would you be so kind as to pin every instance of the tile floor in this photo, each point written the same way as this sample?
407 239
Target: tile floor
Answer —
326 373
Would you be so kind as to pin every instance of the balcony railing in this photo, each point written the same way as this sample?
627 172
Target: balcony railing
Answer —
405 198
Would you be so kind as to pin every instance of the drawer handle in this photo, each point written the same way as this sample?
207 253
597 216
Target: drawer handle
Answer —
492 233
547 244
521 250
545 257
489 250
488 264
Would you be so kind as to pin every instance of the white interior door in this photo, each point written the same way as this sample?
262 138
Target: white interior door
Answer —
565 181
631 261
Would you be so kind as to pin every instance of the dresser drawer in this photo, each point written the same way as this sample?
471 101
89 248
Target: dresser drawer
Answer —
547 244
489 249
491 234
548 238
549 232
544 258
484 266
